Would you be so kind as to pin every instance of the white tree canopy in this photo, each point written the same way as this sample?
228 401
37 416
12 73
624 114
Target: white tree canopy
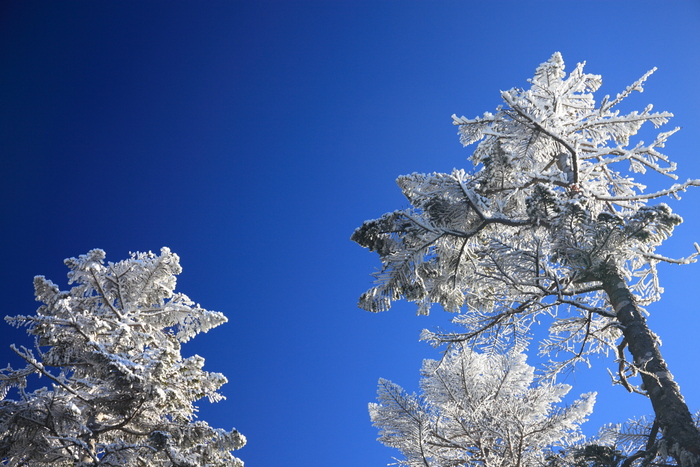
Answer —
478 409
544 210
121 393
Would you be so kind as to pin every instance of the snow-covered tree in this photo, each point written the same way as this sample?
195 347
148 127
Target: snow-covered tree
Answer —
477 409
547 223
121 393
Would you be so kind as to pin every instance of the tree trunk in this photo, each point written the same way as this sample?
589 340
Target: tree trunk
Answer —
671 411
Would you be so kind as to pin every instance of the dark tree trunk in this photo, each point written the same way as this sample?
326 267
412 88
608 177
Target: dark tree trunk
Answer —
671 411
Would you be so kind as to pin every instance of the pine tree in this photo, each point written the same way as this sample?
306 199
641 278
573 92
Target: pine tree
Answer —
545 225
477 409
121 393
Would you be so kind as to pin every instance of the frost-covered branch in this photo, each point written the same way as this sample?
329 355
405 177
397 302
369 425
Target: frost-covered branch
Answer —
539 128
658 194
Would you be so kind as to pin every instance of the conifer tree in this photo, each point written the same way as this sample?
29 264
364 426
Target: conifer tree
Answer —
545 225
478 409
120 391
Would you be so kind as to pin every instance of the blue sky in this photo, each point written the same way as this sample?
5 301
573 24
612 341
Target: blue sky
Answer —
253 137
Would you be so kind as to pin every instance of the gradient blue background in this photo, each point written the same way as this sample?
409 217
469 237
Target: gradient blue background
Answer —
253 137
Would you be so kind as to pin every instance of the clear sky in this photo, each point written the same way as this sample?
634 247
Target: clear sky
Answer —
253 137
